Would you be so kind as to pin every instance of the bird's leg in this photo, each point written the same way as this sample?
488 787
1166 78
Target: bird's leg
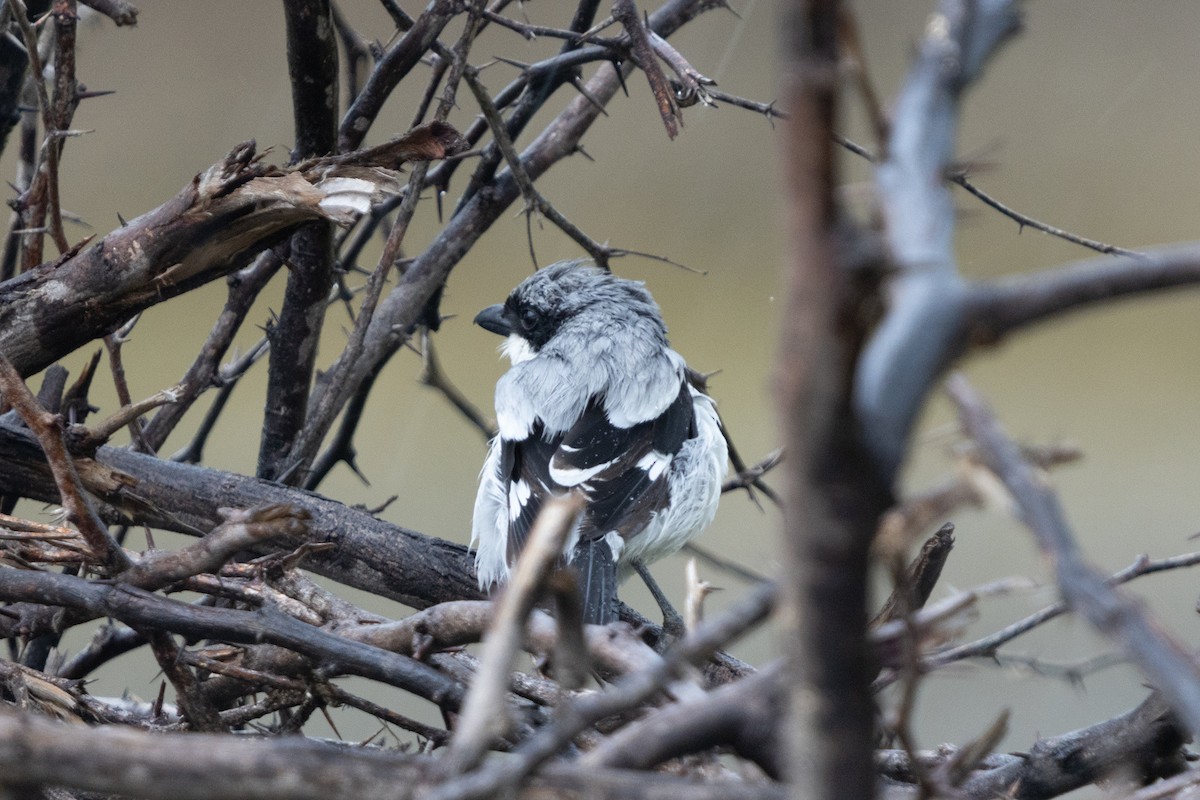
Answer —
673 627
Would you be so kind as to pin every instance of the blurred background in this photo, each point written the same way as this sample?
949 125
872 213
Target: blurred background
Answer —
1087 120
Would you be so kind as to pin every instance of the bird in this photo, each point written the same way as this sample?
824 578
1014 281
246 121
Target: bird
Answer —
595 401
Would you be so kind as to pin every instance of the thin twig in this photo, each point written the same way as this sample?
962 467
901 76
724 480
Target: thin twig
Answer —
626 12
576 715
1161 658
987 646
128 415
533 198
484 715
49 430
434 377
959 177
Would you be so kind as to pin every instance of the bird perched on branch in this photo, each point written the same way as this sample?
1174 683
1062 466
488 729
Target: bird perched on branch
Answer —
596 401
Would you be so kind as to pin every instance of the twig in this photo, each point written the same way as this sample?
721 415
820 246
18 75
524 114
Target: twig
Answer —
227 379
576 715
49 430
693 86
959 177
735 457
856 55
768 110
531 32
458 63
749 476
1023 220
241 530
434 377
1072 673
397 62
697 590
339 695
913 588
199 712
341 449
113 343
533 198
356 51
66 99
484 715
988 645
101 432
204 372
32 250
1162 659
626 12
724 564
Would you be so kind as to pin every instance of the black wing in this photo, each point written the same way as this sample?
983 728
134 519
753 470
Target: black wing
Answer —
624 473
632 484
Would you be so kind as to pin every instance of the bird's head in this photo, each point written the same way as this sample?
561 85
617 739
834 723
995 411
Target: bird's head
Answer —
569 296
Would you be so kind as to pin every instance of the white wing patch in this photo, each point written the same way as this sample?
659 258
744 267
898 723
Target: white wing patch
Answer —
654 463
518 495
574 476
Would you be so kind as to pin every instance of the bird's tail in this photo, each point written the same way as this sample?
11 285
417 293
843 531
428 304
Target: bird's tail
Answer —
593 558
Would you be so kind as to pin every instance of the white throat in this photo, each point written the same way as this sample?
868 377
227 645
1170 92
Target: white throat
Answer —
517 349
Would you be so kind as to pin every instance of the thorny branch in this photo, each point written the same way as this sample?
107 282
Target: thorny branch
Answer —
263 648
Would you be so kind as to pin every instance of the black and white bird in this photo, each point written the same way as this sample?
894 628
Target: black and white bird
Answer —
595 400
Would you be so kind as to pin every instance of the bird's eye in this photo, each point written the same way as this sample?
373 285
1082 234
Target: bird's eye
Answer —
529 318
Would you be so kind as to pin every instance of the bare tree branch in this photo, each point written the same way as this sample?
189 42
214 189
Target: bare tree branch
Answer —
1164 661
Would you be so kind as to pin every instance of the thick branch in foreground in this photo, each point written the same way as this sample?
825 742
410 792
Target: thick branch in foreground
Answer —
923 329
202 766
367 552
833 498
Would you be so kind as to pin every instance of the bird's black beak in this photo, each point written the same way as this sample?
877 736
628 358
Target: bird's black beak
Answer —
492 319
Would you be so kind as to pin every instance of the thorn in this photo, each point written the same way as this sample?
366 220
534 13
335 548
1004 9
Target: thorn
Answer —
595 29
579 87
521 65
617 65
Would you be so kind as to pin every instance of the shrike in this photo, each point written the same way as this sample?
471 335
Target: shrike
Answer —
595 400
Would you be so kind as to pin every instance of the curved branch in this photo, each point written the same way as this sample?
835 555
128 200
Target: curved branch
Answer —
1165 662
995 310
922 331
